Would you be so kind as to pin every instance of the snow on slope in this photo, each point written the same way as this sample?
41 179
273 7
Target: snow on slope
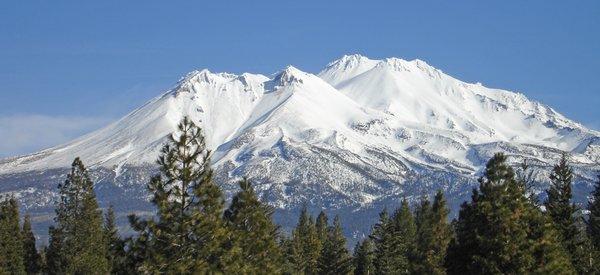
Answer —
219 102
416 93
362 130
420 98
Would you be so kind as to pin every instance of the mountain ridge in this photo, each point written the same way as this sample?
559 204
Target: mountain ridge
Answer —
352 62
359 135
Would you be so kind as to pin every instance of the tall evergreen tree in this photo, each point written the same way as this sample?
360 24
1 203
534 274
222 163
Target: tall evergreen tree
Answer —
423 237
501 231
593 224
433 236
335 258
322 226
254 232
79 226
32 257
594 218
442 233
567 217
364 258
56 260
12 252
189 234
42 252
115 245
304 247
404 232
389 258
525 176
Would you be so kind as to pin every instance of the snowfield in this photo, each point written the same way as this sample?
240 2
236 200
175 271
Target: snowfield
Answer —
360 135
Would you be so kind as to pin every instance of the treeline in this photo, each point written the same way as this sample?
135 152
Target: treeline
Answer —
501 230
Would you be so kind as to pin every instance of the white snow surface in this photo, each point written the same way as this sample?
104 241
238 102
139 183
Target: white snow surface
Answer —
408 109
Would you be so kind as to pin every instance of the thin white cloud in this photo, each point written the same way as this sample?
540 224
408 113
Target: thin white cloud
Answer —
22 134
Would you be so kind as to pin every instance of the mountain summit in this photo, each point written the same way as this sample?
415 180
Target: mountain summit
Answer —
360 135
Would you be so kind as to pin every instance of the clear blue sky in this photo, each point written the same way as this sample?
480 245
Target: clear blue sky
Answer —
67 67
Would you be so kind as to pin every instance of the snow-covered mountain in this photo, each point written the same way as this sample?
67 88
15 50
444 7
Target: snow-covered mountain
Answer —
360 135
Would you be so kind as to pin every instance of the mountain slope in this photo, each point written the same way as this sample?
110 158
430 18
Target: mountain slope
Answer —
360 135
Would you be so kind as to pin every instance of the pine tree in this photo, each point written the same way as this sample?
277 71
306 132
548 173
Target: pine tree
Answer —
55 254
115 245
423 238
304 247
288 252
137 249
594 218
442 233
404 232
3 260
433 236
12 252
390 257
566 216
322 226
42 252
364 258
593 224
335 258
501 231
254 232
525 176
79 227
211 231
189 234
32 257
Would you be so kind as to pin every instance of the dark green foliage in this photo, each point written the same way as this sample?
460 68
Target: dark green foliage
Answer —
42 252
433 236
391 251
558 205
501 231
254 233
526 177
335 258
381 237
115 245
364 257
322 226
567 217
442 233
594 218
210 230
32 257
424 236
79 233
12 252
394 241
189 234
404 234
55 254
136 251
593 225
304 247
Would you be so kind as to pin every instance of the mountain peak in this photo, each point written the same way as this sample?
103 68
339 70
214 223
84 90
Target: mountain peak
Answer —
346 67
348 61
206 76
399 64
288 76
